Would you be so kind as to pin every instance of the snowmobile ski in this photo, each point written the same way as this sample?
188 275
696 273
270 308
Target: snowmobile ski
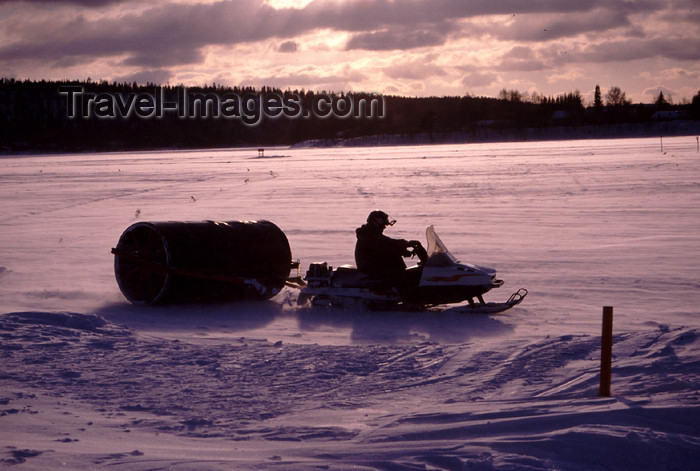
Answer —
493 308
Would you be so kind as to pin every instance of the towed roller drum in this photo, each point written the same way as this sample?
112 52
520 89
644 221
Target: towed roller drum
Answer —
170 262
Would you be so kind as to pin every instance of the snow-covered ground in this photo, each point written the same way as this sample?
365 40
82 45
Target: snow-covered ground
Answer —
89 381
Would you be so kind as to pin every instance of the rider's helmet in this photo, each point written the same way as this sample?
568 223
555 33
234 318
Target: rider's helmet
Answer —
380 219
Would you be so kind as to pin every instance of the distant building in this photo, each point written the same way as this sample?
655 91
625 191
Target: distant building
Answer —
669 115
561 115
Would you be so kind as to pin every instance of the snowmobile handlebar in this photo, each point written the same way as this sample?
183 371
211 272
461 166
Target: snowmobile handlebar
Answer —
416 248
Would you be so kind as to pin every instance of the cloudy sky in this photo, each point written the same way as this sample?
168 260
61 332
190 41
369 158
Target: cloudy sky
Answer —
406 47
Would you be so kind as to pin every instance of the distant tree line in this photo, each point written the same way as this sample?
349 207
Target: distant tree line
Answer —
35 116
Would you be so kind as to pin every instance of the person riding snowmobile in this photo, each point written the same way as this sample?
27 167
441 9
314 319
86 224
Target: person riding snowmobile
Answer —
379 255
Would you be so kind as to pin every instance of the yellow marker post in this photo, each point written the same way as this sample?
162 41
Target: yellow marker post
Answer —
606 352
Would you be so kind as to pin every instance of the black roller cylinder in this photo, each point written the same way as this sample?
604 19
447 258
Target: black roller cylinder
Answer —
166 262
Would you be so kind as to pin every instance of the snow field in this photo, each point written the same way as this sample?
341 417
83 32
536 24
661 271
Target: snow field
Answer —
89 381
77 385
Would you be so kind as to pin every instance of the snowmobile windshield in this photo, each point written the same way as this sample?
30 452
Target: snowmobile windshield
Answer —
436 248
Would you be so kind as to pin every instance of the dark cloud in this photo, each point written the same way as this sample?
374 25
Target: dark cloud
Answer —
547 32
82 3
180 30
540 28
683 49
164 34
173 57
288 46
396 39
376 14
479 79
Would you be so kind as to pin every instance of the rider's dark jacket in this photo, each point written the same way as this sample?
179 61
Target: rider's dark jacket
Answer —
377 254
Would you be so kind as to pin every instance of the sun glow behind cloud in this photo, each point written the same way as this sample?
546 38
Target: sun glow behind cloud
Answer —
288 3
412 47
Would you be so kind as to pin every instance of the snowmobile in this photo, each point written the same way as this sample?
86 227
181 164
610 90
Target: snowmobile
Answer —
439 278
